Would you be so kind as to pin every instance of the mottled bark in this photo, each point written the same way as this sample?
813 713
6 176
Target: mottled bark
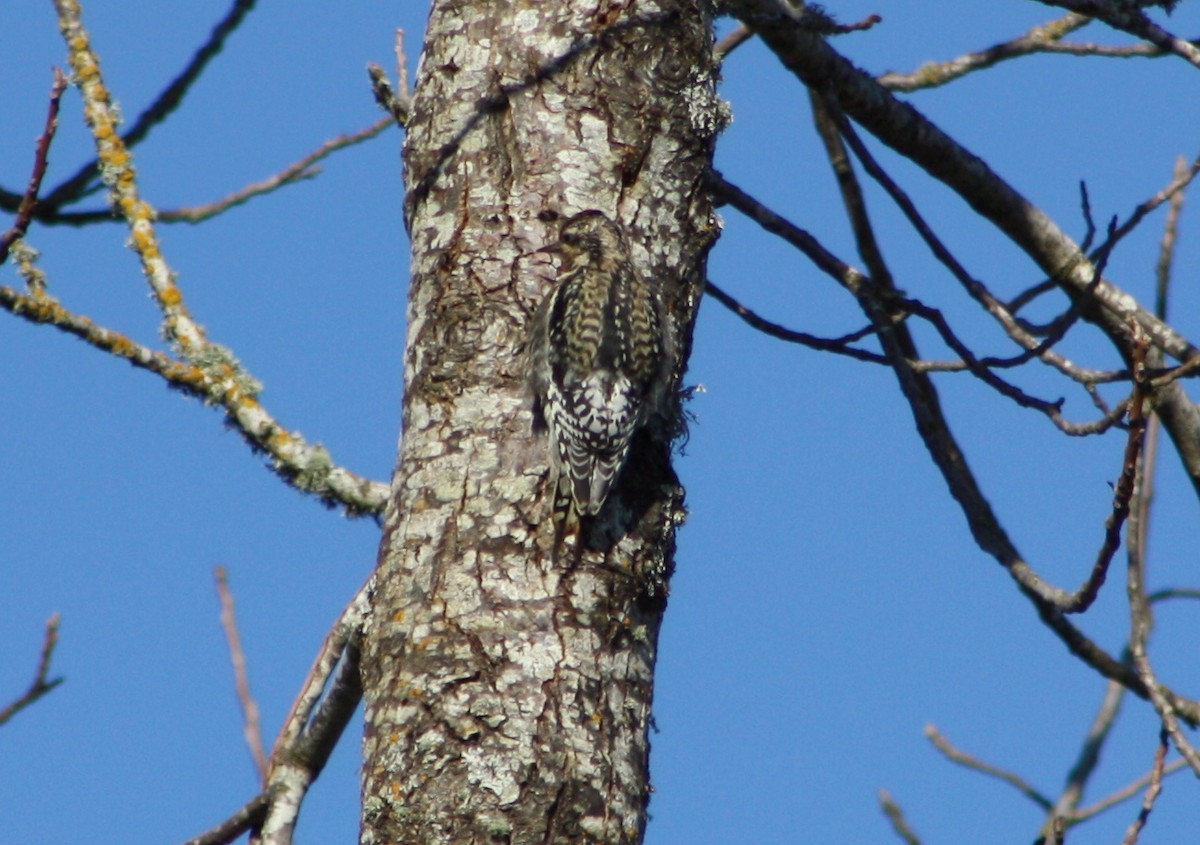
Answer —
508 695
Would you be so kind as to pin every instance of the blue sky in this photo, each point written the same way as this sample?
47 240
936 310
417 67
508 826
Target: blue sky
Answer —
828 602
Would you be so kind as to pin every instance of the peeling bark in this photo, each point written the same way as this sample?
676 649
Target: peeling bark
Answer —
508 696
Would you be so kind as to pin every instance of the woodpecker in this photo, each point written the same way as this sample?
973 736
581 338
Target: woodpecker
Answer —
597 359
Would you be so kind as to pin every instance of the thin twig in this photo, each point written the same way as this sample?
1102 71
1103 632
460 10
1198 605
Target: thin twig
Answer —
1089 752
838 346
1152 793
1166 709
1166 247
404 89
1172 593
1125 793
1083 598
29 201
898 306
1181 179
962 758
1030 294
726 192
1140 623
40 685
299 171
237 656
895 817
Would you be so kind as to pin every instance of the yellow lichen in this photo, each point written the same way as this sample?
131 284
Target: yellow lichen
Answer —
170 296
143 240
123 346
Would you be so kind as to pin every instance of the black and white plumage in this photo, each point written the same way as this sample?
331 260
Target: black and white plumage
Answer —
597 358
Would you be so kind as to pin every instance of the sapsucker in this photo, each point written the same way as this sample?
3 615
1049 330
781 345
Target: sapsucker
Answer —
598 355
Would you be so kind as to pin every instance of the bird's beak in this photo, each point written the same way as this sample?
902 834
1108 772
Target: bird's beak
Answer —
552 249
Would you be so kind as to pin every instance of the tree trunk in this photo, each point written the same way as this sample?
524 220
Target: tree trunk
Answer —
508 688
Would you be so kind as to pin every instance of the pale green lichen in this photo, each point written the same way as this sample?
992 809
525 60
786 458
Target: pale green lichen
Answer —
499 827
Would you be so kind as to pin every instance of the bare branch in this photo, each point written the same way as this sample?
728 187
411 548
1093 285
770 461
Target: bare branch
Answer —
828 119
962 758
1040 39
237 656
1030 294
308 736
1130 18
1184 174
294 769
1139 523
40 685
29 200
347 626
1140 623
405 89
1172 593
